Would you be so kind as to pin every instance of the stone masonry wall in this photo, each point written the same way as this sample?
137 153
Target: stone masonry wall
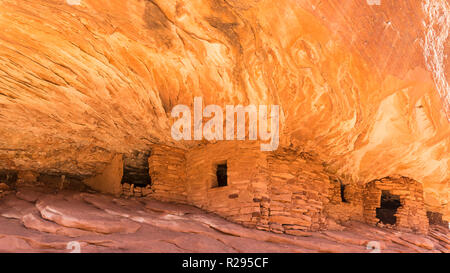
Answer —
298 191
240 200
348 207
167 169
282 192
411 215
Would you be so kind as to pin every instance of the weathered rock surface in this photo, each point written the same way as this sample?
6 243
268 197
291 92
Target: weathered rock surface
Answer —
363 87
168 227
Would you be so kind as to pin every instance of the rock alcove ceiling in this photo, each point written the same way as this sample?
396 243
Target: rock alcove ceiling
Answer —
363 88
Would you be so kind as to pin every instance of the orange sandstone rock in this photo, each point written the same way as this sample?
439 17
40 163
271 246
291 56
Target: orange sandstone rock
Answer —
363 93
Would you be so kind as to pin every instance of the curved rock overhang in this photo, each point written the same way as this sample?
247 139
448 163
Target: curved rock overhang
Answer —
363 87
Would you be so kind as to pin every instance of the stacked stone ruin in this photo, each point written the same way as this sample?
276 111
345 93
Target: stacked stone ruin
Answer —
285 191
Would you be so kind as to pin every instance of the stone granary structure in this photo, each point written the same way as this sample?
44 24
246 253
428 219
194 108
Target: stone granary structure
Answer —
87 92
284 191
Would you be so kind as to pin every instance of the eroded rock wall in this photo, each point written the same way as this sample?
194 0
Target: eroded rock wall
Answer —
110 180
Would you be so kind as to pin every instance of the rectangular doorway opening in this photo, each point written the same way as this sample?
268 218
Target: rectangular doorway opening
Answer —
136 171
389 204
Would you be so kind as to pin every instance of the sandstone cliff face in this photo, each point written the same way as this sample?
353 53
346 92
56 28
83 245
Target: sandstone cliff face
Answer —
362 87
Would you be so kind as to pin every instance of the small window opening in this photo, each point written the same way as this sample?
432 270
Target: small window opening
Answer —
343 199
221 176
389 204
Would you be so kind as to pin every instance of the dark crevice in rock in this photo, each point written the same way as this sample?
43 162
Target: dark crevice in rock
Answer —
8 177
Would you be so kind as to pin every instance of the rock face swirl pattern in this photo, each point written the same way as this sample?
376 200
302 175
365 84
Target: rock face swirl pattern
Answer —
79 83
436 40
